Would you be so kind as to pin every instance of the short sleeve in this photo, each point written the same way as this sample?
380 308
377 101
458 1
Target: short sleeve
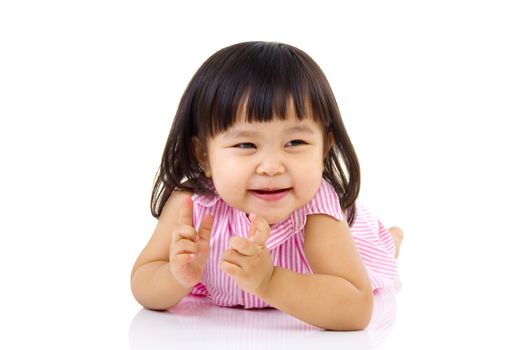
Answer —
325 201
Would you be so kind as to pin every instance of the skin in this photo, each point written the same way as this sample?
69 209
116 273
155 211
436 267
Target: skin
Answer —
397 236
277 154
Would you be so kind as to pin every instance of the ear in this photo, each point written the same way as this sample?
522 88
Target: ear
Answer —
329 141
200 152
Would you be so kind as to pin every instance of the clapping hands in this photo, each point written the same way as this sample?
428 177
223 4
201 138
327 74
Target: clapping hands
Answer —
249 261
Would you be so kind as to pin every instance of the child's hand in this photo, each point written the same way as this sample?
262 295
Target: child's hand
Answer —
189 251
249 261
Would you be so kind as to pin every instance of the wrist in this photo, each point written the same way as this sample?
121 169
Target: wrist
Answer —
186 285
264 288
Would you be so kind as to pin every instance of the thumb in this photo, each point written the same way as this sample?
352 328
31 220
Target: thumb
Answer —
260 230
205 227
186 211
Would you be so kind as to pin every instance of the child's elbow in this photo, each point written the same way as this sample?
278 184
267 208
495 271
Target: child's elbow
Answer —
360 314
361 322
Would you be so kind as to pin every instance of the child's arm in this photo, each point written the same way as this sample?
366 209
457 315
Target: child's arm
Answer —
153 283
155 288
338 295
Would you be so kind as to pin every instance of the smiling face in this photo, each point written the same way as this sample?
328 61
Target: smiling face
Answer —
268 168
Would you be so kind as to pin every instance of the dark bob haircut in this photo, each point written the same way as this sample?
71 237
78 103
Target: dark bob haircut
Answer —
264 77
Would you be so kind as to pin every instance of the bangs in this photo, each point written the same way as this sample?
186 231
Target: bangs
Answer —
253 82
258 83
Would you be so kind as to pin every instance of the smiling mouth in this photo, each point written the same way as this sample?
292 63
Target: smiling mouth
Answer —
270 194
270 191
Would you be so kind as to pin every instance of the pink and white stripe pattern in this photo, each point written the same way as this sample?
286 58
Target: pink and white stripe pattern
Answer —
286 242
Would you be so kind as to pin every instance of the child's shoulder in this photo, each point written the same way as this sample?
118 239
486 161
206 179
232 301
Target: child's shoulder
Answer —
177 195
325 201
175 201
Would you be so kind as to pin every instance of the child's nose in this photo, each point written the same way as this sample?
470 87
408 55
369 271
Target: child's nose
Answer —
271 166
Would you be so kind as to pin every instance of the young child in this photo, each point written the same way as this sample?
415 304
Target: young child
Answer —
256 197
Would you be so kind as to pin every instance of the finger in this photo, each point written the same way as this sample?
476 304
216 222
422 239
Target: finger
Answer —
205 227
243 246
261 229
182 259
234 257
229 268
252 226
186 210
183 232
184 246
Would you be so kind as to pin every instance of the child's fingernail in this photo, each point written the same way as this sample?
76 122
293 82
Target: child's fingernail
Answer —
252 216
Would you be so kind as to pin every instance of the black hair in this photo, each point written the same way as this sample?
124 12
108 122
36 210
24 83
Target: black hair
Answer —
264 77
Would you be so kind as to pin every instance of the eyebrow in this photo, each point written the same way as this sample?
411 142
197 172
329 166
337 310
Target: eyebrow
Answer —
234 133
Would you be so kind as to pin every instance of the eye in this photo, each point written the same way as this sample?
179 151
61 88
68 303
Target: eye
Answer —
245 145
295 143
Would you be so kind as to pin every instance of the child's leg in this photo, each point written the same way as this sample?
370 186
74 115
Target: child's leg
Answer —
397 235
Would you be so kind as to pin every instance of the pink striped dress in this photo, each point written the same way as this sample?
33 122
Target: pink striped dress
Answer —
286 242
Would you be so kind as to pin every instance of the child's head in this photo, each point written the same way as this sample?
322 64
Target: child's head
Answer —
257 117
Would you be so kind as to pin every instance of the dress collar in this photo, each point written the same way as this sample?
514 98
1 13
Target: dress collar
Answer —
280 232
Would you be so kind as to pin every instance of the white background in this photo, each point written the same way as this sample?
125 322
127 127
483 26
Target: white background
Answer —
434 94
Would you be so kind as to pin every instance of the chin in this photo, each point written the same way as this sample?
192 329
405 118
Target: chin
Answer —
274 218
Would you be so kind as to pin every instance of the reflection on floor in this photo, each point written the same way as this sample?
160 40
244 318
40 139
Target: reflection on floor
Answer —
197 323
